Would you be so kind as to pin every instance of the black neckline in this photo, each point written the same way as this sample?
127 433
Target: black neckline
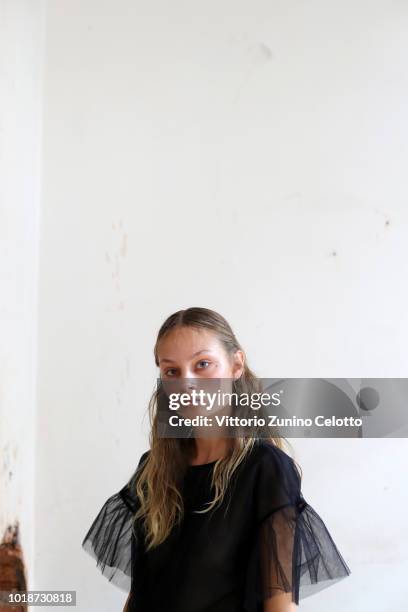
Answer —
259 443
202 465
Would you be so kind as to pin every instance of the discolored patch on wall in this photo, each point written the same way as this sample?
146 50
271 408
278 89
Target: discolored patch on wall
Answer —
12 570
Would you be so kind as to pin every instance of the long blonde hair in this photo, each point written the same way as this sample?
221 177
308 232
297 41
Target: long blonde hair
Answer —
160 478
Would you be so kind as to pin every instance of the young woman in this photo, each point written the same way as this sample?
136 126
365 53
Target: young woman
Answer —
211 524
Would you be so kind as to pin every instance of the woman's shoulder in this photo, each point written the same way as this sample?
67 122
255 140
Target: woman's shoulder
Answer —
277 476
139 467
274 479
269 456
143 457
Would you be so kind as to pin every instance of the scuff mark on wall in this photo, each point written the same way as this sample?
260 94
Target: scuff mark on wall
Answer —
258 54
115 258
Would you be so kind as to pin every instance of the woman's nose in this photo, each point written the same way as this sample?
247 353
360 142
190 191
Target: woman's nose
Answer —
188 382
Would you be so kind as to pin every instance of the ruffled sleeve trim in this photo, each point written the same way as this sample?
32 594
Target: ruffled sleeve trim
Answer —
292 550
109 538
294 553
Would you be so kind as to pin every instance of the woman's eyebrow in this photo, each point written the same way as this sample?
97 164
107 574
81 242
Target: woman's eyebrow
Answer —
195 355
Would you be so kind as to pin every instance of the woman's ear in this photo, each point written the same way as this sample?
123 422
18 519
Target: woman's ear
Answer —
238 364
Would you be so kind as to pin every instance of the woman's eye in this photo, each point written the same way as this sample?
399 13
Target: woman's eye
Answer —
170 372
203 361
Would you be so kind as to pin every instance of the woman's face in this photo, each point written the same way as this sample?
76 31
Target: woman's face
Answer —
195 360
187 352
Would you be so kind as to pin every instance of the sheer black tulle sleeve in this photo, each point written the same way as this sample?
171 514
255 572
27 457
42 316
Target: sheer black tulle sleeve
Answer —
109 538
293 551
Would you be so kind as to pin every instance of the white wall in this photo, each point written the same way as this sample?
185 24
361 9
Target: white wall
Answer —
244 156
21 61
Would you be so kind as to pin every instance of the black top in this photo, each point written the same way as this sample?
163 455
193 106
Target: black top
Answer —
263 539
